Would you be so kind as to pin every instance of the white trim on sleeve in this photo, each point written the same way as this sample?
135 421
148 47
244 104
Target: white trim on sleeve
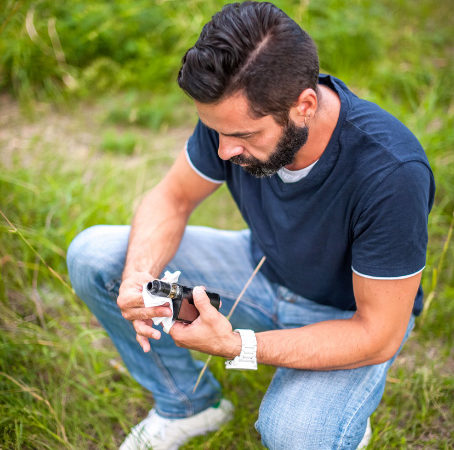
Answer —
387 278
197 171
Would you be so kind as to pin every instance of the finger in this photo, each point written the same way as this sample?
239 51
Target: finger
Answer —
144 343
178 332
130 294
202 302
177 327
130 298
146 313
146 330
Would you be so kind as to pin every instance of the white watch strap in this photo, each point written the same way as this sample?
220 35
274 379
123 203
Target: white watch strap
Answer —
247 359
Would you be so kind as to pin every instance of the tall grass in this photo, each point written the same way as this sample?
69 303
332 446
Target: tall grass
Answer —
101 119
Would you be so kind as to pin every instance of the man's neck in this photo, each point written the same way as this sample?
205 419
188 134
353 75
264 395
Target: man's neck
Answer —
321 128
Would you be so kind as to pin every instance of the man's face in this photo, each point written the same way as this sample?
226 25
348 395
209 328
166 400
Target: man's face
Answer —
292 139
260 146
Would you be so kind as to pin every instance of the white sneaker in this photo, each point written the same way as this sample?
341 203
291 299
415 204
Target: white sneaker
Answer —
367 436
160 433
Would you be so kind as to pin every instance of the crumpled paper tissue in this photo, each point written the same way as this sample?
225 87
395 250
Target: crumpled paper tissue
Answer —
154 300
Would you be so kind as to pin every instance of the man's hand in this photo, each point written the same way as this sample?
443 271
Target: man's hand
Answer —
154 240
132 308
210 333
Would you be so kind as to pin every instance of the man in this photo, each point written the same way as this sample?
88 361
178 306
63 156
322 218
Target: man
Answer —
336 193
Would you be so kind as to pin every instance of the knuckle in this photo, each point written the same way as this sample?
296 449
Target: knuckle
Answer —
123 287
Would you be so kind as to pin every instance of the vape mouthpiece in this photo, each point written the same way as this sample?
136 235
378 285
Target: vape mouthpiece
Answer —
159 288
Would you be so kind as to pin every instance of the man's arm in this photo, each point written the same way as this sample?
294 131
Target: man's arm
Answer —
156 232
371 336
161 217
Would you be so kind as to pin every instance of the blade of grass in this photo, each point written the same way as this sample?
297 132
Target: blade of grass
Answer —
437 272
248 282
52 271
36 396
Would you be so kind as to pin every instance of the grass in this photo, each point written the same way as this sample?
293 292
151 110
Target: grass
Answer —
71 158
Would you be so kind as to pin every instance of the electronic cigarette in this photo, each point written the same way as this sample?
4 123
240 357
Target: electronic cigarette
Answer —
184 309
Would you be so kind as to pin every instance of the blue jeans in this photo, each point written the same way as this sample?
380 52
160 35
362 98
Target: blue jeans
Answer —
302 409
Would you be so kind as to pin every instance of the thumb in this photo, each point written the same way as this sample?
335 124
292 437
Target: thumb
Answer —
202 302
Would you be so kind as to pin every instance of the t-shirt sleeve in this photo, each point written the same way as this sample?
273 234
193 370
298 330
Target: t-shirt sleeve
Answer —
202 154
390 234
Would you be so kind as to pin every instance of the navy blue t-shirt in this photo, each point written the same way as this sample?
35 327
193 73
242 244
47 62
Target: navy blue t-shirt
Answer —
363 206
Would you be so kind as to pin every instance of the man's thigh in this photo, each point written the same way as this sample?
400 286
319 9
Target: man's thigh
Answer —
321 409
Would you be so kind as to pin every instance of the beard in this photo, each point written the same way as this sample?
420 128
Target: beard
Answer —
292 139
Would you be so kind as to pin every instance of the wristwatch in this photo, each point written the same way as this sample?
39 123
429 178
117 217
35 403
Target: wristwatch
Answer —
247 359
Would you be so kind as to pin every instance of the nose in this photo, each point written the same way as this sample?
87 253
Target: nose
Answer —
228 148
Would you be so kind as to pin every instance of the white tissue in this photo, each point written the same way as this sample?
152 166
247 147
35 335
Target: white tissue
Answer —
154 300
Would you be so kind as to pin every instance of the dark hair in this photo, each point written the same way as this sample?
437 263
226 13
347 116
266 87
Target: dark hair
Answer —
256 48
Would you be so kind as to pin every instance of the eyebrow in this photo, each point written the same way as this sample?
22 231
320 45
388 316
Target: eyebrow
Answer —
238 134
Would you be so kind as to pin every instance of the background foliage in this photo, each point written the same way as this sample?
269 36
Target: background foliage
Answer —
91 117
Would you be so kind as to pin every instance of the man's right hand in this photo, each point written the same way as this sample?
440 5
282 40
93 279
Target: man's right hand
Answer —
132 308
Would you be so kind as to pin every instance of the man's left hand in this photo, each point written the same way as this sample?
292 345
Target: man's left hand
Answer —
210 333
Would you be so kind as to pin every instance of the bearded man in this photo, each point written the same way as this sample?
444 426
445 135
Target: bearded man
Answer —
336 194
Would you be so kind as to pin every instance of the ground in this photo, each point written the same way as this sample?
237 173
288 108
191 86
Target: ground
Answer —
65 169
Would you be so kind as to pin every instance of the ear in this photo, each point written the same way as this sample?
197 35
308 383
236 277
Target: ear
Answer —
304 108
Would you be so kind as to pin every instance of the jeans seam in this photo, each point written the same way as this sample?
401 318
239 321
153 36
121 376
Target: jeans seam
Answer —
172 386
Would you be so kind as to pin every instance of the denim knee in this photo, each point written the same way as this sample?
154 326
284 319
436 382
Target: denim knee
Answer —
274 428
88 261
284 429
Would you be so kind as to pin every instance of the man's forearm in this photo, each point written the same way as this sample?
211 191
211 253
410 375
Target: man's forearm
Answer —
156 232
329 345
372 336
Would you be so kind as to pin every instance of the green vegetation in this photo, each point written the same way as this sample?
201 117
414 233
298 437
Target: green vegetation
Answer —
91 117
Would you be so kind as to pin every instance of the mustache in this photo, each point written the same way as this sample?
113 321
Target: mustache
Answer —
290 142
240 159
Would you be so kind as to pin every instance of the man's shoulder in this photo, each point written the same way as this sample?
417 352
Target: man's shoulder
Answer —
368 126
377 149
